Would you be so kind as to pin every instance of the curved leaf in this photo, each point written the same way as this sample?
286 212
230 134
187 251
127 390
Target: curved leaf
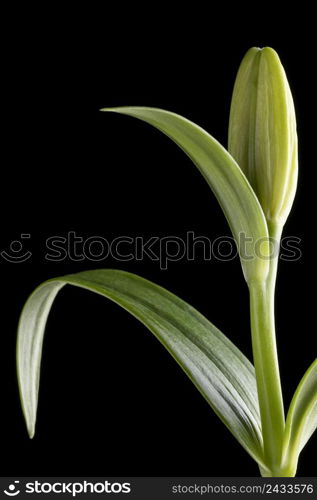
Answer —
301 419
230 186
218 369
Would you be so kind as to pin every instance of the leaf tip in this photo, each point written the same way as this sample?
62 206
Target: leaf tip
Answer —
31 431
107 110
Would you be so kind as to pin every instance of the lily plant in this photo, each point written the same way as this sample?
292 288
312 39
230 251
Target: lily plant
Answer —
255 183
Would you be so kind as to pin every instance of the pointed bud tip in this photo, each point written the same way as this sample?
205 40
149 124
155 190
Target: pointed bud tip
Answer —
263 51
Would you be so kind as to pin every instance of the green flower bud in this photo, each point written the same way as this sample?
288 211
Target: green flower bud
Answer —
262 131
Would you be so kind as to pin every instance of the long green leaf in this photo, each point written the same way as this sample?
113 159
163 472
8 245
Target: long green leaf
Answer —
230 186
301 419
219 370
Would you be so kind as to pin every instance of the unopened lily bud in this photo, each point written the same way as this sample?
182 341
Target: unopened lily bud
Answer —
262 131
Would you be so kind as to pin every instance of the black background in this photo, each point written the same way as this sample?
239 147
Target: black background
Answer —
112 401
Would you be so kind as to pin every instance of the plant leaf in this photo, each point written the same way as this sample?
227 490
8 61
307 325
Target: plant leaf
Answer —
230 186
218 369
301 419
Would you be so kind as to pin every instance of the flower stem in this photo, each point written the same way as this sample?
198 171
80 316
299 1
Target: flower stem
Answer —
266 360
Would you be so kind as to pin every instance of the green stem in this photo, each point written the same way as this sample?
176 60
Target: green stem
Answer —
266 360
